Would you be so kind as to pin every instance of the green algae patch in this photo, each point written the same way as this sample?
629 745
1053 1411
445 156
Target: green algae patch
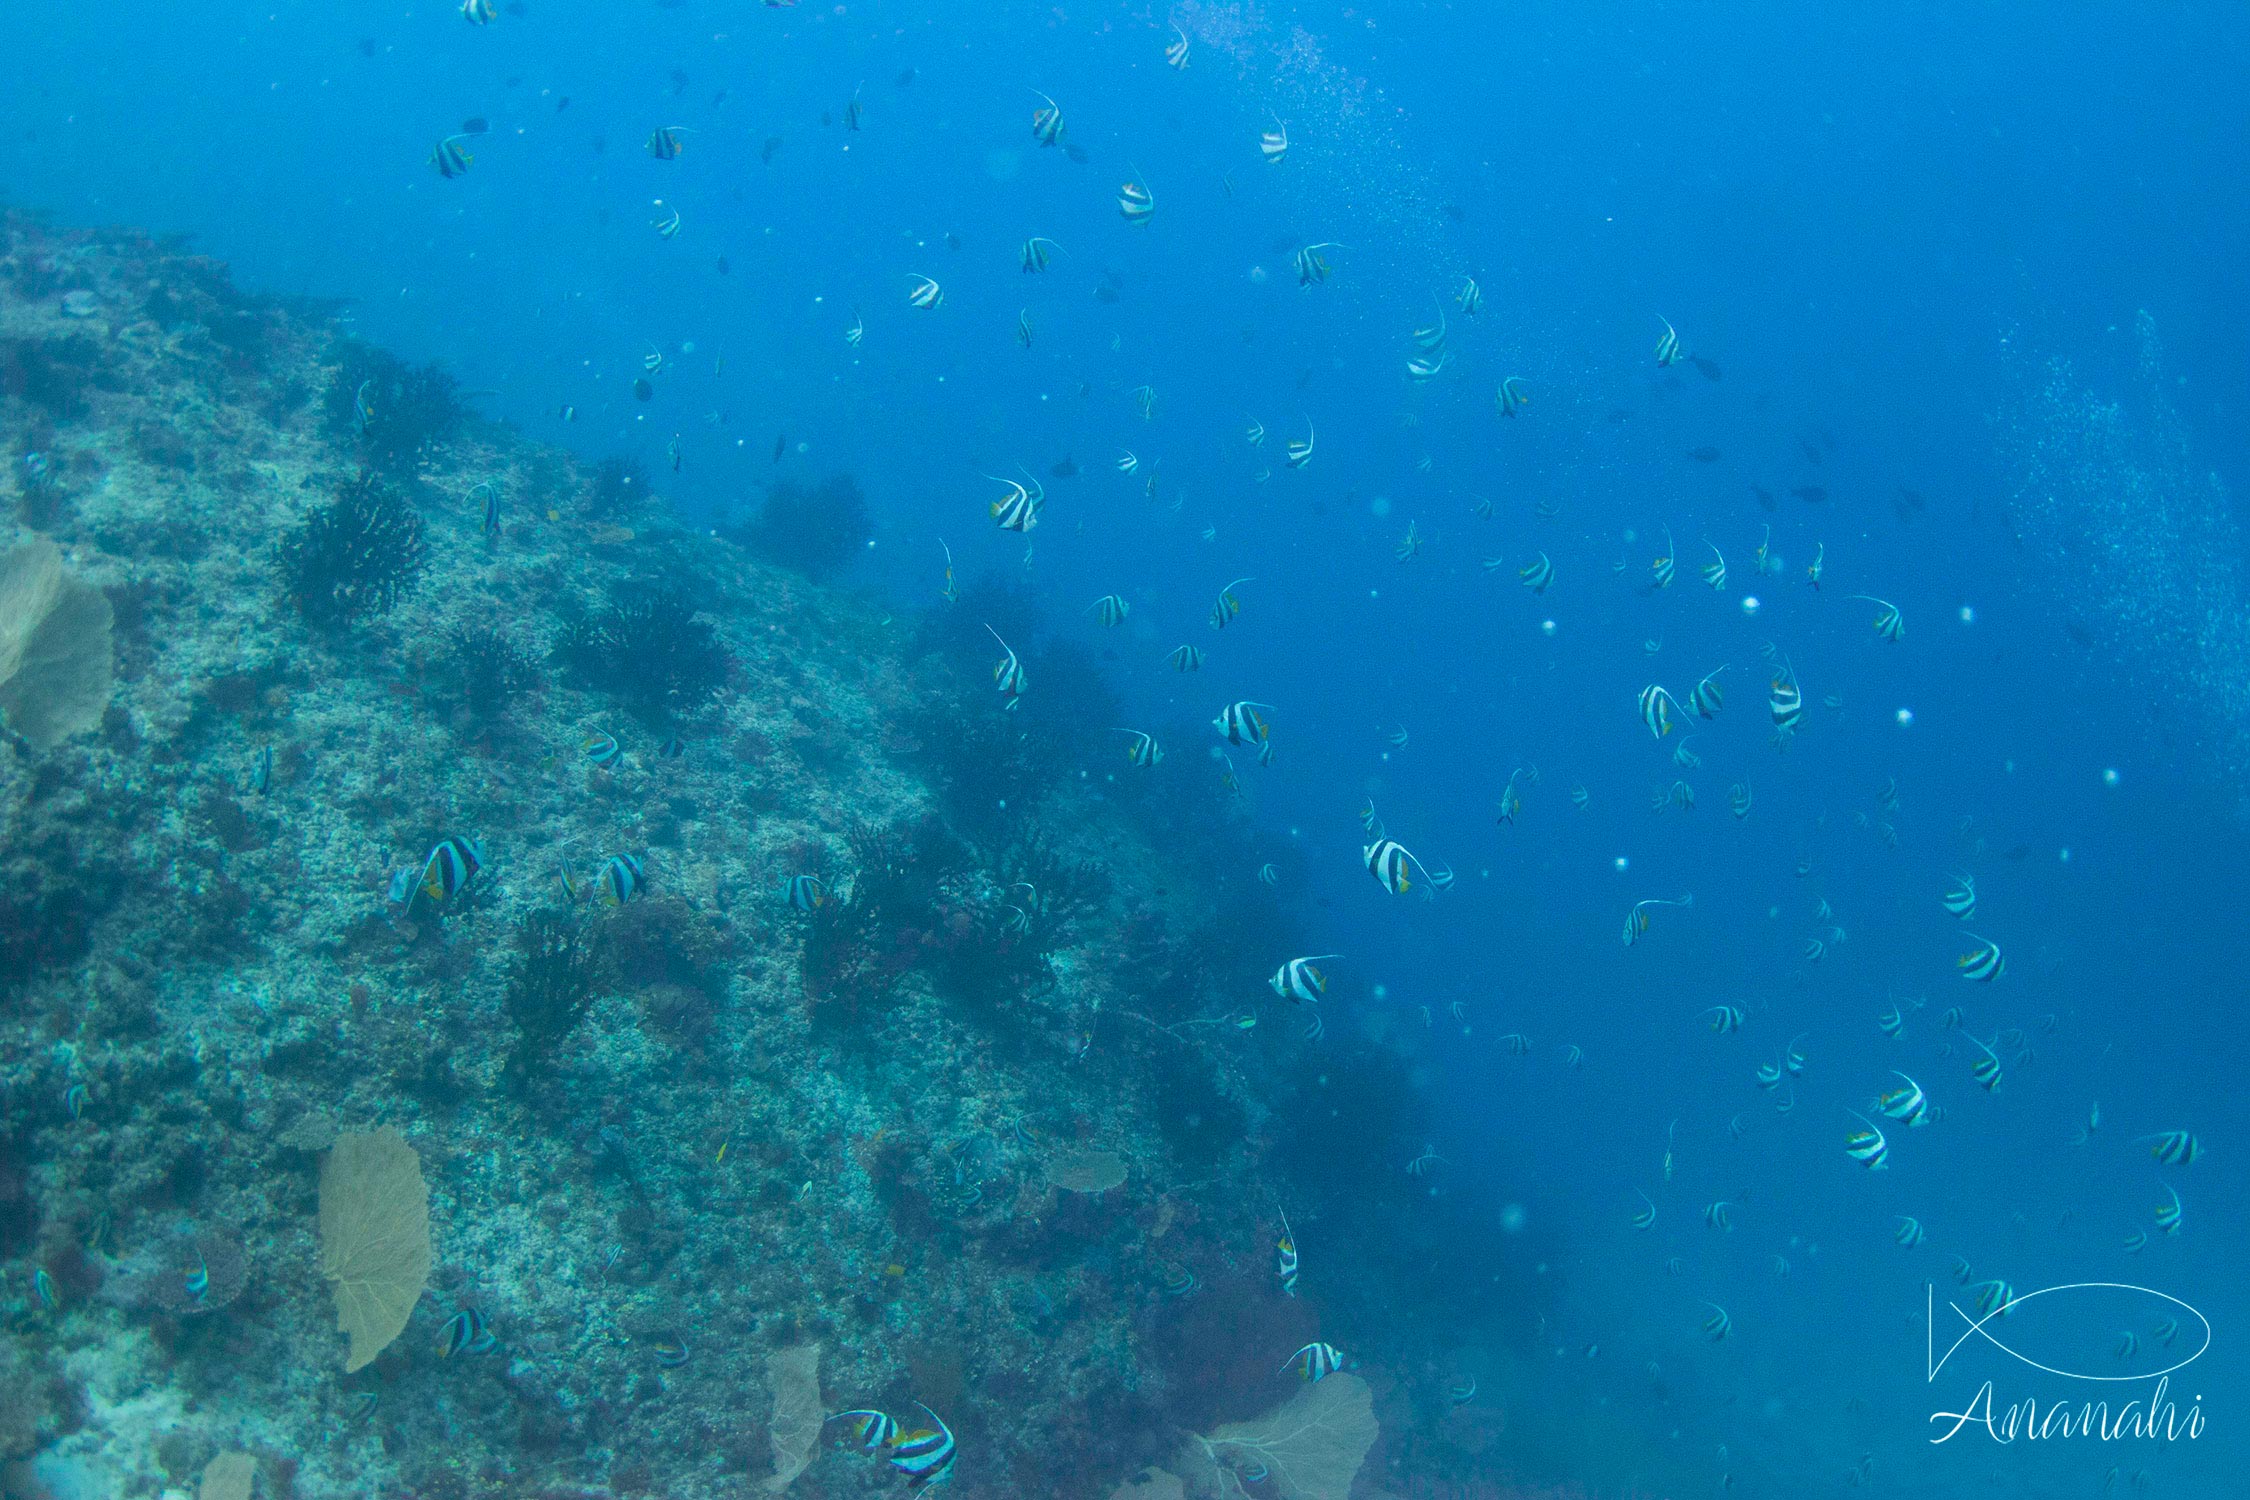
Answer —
374 1238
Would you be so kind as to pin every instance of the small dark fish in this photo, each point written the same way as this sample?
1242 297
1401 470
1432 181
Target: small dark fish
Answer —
1707 368
952 240
767 151
643 391
2020 851
367 46
1304 378
904 80
562 102
1455 212
724 268
780 445
1812 454
1619 414
1066 469
1765 497
1105 293
1704 455
1075 152
679 80
475 125
516 8
1811 494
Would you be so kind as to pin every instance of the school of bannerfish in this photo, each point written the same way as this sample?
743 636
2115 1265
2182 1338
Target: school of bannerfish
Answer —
924 1452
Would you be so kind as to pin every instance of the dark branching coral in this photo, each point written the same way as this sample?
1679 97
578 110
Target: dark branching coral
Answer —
352 558
860 941
815 529
489 670
619 485
551 984
396 412
650 652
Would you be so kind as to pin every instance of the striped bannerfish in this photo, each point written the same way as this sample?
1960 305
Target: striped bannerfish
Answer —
1645 1217
1144 750
449 160
1369 821
664 142
804 892
1227 606
1390 862
1274 144
1471 296
2175 1148
451 865
927 294
1636 920
1664 567
857 331
1994 1297
672 749
1186 658
1891 1022
1241 724
1285 1259
872 1431
1112 609
1725 1018
1175 1280
1007 673
1986 1069
1719 1215
466 1333
1419 370
1719 1324
1906 1104
1311 265
1818 565
1668 350
1047 123
1136 203
1268 875
1255 433
1513 396
1739 798
1787 702
1442 880
1300 452
925 1455
668 227
1983 962
1409 545
671 1350
1176 51
1888 623
1715 571
1430 335
479 12
1769 1075
2168 1214
1580 798
1316 1361
1961 897
621 879
1018 510
1036 252
1656 706
1300 980
603 750
1909 1232
1867 1147
1537 574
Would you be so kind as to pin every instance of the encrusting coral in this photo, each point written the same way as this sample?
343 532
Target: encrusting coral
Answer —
337 862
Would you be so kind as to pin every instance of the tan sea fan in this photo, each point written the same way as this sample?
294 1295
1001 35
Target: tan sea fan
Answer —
374 1237
1313 1444
797 1414
56 663
1086 1171
229 1477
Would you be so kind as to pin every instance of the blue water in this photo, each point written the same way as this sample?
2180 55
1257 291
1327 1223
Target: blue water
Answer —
1882 228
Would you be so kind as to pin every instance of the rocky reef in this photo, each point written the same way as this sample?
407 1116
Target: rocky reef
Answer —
740 975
